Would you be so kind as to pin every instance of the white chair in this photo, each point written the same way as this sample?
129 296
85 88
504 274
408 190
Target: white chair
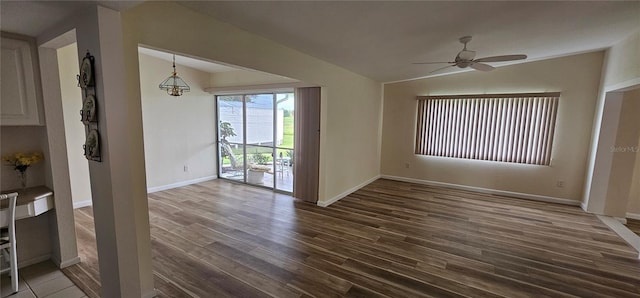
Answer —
282 165
8 236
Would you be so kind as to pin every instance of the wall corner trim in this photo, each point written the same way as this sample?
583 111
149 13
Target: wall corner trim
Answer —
487 190
583 205
347 192
180 184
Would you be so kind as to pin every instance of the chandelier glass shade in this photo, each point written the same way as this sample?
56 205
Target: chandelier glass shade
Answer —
174 85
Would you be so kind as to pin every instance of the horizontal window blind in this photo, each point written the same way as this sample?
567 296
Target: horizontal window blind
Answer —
500 127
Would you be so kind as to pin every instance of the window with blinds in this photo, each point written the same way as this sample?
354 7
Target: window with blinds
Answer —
500 127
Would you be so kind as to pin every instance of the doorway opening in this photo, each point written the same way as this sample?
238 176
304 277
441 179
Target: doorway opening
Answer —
256 139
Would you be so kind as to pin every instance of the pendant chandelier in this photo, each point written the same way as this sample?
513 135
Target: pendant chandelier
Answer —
174 85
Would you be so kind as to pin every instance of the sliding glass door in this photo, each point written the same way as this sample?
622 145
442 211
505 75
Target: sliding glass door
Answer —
259 126
255 139
231 137
284 141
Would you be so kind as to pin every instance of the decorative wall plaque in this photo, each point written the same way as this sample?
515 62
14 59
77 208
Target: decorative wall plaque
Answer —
88 114
85 78
92 146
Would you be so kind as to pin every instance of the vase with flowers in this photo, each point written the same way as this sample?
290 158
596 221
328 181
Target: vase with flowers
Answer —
20 163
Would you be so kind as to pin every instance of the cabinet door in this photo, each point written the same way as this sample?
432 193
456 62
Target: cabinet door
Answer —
19 97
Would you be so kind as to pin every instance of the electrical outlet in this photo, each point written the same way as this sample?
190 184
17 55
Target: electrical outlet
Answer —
560 183
186 168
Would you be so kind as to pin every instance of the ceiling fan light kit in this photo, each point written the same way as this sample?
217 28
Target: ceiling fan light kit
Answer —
465 58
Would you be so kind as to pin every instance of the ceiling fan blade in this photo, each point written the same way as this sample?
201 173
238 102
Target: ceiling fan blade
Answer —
501 58
481 66
432 62
441 68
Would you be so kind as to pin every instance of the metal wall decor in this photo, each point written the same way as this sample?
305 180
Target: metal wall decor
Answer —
85 79
92 145
88 114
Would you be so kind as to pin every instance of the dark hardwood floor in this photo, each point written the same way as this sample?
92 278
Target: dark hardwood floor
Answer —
392 239
634 225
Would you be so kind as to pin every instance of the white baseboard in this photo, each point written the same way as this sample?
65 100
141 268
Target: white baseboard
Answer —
180 184
633 215
67 263
34 260
86 203
487 190
347 192
81 204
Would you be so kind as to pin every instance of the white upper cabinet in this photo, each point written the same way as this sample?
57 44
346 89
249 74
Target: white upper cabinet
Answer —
20 96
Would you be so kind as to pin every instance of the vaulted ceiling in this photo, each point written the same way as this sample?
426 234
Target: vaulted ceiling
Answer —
381 39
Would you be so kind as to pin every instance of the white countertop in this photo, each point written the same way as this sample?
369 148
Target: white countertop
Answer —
32 201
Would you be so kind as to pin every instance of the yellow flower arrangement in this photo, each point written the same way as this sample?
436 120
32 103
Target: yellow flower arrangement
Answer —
21 161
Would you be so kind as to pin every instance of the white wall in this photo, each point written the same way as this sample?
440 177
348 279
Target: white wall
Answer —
634 193
621 70
624 155
576 77
178 131
61 227
68 68
623 62
243 77
633 205
118 182
26 139
350 103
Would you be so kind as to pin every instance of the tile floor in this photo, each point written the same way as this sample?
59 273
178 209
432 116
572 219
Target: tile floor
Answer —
41 280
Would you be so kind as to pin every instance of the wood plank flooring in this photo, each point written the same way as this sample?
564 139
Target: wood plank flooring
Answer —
633 225
389 239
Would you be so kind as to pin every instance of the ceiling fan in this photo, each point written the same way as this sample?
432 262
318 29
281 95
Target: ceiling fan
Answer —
465 59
